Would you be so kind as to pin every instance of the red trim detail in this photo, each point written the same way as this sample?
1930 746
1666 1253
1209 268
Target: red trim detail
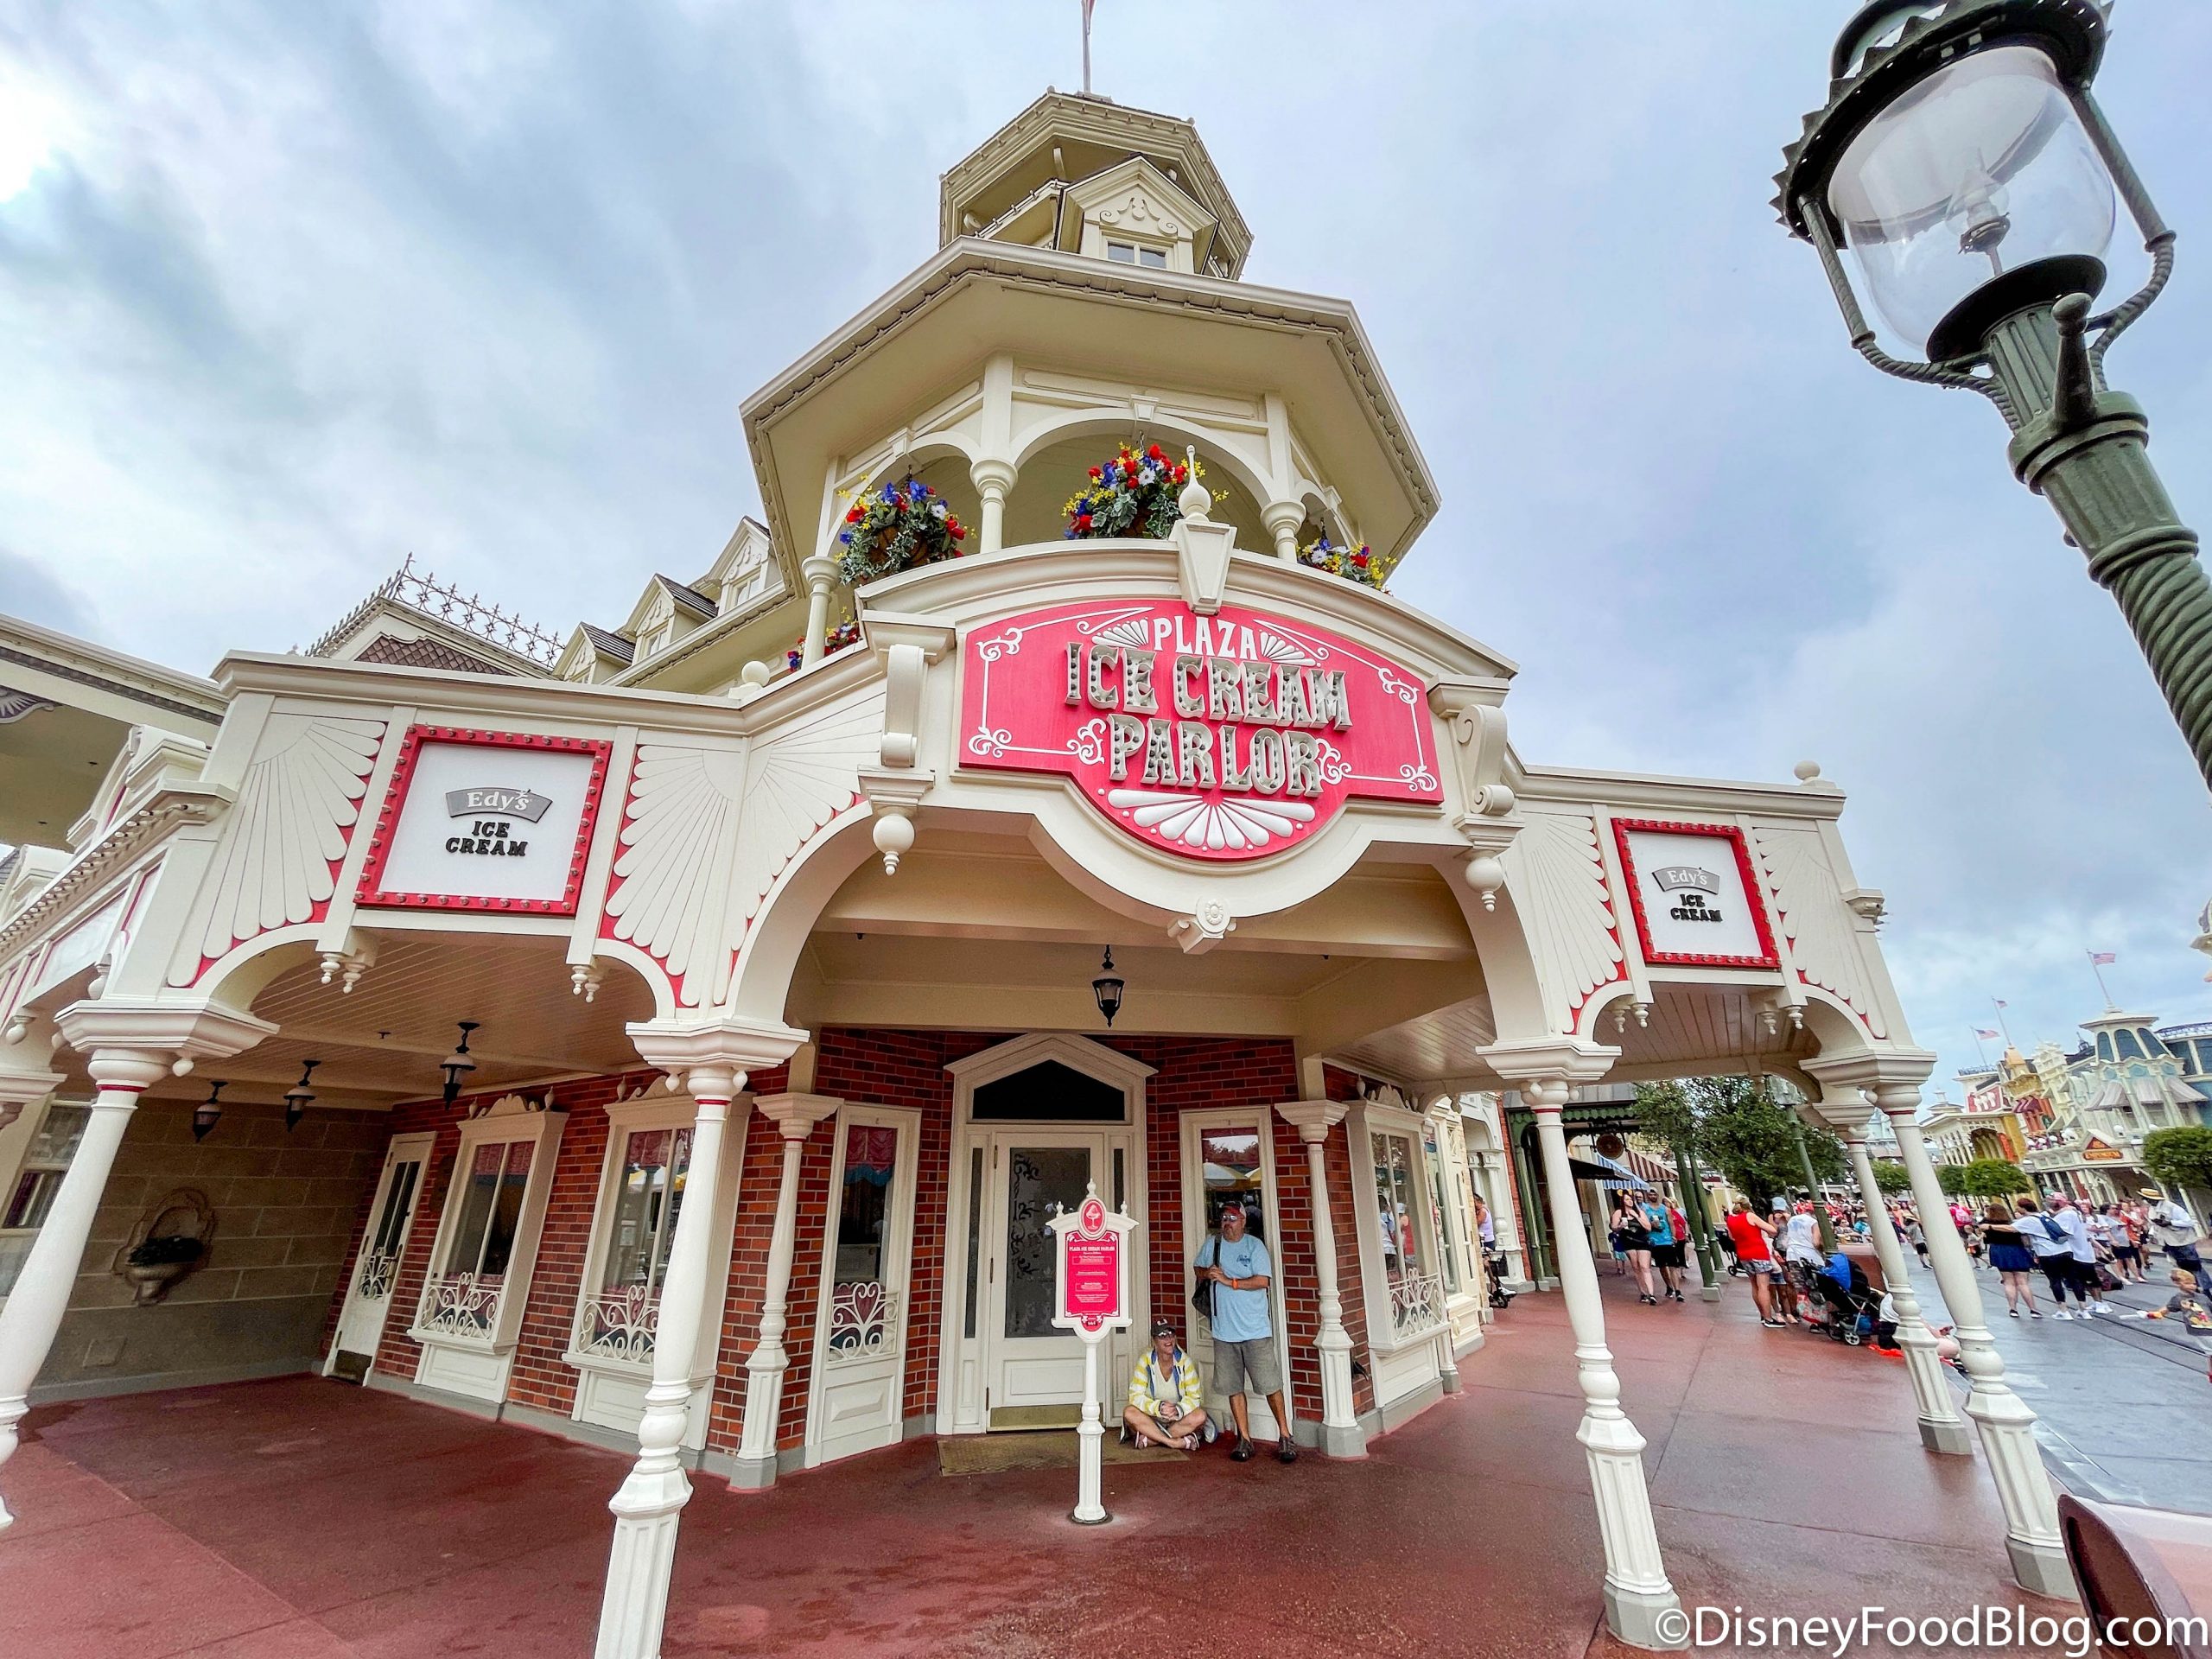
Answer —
373 890
1734 837
119 1088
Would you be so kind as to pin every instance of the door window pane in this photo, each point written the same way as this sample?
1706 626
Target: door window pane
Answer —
1041 1181
975 1236
864 1206
1230 1160
1397 1192
398 1199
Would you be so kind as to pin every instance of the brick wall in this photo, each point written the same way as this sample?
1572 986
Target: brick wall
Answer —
284 1205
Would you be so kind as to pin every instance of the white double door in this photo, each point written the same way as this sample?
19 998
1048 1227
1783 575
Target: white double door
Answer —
1033 1374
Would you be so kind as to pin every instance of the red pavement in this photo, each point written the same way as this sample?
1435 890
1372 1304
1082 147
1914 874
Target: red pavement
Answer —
300 1519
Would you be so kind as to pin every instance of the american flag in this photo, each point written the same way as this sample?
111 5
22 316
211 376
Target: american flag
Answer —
1990 1036
2102 958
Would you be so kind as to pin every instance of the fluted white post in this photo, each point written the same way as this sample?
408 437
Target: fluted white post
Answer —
821 574
32 1314
2006 1422
1641 1606
646 1509
1341 1434
992 480
755 1466
1942 1428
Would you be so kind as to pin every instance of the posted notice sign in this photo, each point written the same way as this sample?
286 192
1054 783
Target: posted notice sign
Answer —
1092 1276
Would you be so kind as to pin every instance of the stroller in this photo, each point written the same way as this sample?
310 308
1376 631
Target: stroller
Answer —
1847 1300
1494 1276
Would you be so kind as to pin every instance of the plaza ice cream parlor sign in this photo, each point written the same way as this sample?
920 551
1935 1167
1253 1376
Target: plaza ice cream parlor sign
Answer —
1225 737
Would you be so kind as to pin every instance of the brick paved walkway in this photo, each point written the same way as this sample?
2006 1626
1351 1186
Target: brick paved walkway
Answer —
300 1519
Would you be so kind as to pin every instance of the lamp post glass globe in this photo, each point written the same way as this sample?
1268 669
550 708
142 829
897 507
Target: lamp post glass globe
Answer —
1981 171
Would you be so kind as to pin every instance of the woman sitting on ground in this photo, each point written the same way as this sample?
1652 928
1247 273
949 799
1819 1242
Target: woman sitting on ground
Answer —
1165 1400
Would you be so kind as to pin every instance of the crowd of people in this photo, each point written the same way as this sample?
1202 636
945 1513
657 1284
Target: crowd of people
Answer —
2081 1251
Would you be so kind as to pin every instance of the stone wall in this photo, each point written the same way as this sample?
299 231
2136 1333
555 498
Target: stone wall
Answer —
286 1207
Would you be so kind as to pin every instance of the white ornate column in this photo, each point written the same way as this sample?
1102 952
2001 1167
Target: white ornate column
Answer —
755 1466
994 481
2006 1422
650 1502
821 575
1281 520
32 1314
1942 1428
1341 1434
1641 1606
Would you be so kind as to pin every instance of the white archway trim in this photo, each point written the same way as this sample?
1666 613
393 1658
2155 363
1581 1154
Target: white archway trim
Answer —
1093 1059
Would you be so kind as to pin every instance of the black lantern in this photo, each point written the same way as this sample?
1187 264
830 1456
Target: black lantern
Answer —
457 1065
1107 988
1962 167
208 1112
299 1098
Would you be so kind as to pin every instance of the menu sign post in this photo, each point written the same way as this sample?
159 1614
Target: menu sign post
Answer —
1090 1297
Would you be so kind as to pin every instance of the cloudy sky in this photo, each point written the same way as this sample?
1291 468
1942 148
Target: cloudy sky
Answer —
288 291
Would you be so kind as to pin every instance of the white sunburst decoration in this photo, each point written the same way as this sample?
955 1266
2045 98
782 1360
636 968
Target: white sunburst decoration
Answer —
1215 825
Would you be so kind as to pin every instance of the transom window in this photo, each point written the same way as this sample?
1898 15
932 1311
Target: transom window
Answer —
1048 1092
1136 253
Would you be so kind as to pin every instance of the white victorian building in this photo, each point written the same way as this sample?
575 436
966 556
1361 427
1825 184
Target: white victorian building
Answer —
687 1049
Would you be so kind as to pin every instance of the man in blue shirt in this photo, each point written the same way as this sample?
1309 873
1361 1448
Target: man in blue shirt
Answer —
1240 1270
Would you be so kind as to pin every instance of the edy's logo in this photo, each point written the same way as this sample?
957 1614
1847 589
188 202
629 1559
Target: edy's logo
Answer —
1691 887
504 803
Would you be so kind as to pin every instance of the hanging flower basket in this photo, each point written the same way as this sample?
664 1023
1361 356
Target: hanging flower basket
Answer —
895 529
1352 563
1133 494
841 634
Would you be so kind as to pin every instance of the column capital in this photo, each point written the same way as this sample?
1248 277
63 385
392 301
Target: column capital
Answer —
160 1032
22 1089
820 573
991 474
718 1054
1841 1107
1549 1067
1894 1073
1313 1119
795 1115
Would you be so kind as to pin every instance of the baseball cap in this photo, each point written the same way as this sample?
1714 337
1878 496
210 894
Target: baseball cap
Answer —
1162 1328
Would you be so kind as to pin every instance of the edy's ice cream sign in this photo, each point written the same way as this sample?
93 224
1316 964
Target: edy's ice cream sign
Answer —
1230 736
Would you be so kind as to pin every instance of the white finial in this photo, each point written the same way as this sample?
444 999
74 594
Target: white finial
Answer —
1807 771
1195 500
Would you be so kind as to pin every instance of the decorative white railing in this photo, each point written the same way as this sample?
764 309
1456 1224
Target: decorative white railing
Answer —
462 1304
379 1270
619 1324
1416 1304
863 1322
426 594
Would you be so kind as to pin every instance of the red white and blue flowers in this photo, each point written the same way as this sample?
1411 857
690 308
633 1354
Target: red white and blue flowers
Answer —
895 527
1133 494
1356 564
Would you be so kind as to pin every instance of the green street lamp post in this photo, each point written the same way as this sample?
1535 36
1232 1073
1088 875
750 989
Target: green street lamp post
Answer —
1963 167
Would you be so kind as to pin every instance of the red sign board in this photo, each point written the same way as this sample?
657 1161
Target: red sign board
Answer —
1091 1290
1223 737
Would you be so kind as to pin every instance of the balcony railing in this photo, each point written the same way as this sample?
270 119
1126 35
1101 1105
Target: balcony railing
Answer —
619 1324
1416 1304
462 1304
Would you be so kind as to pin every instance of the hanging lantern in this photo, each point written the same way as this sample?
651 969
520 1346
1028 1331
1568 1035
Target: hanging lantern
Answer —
457 1065
1610 1145
299 1098
1108 988
208 1112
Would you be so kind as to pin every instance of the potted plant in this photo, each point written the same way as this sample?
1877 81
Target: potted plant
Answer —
155 1264
895 529
1353 564
1133 494
839 635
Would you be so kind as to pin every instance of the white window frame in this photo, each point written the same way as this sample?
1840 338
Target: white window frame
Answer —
1369 1121
22 1133
478 1363
610 1388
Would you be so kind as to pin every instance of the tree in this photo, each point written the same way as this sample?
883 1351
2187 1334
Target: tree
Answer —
1739 1127
2180 1158
1951 1178
1993 1178
1890 1175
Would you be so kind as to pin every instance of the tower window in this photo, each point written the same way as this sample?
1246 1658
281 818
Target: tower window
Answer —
1131 253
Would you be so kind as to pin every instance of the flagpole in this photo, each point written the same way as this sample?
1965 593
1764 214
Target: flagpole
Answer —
1977 1048
2099 971
1086 45
2001 1025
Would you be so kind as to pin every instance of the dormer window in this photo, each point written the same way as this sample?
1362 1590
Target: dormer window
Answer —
1136 253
